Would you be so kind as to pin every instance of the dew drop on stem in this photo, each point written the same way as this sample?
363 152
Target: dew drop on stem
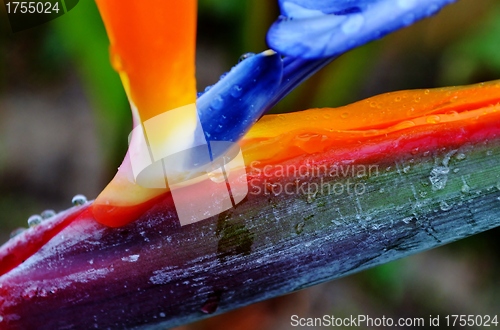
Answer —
16 232
79 200
47 214
34 220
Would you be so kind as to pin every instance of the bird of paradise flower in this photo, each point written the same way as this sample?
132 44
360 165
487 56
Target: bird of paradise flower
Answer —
277 149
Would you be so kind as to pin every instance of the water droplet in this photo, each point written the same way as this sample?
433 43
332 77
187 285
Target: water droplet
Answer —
373 104
47 214
489 153
216 175
222 76
381 190
406 169
456 170
310 198
29 293
344 115
414 151
163 314
1 318
427 91
299 228
434 119
407 220
34 220
438 177
217 103
79 200
427 153
465 188
353 24
207 88
236 91
397 99
246 55
460 156
445 206
16 232
42 293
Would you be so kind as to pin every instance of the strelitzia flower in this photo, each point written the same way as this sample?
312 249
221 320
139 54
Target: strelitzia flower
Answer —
322 184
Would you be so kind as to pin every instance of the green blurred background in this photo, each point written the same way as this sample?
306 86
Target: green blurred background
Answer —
64 121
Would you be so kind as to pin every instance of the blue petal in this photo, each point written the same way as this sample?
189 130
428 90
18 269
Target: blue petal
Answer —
325 28
230 107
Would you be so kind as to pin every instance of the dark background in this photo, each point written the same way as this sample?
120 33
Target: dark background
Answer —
64 121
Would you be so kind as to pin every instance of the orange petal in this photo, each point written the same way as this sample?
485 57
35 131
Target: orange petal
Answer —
153 49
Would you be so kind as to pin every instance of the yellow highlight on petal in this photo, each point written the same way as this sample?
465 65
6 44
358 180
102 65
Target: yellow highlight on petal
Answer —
174 131
153 50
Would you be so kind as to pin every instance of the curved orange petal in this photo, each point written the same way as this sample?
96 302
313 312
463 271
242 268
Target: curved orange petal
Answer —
153 50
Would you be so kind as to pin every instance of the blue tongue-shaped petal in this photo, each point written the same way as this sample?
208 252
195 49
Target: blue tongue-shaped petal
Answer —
326 28
230 107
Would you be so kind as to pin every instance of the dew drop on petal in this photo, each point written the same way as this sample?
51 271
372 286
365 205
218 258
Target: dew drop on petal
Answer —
236 91
162 314
217 103
34 220
460 156
222 76
344 115
79 200
433 119
47 214
245 56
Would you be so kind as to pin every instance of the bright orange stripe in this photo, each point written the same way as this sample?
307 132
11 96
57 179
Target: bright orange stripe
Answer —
276 138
